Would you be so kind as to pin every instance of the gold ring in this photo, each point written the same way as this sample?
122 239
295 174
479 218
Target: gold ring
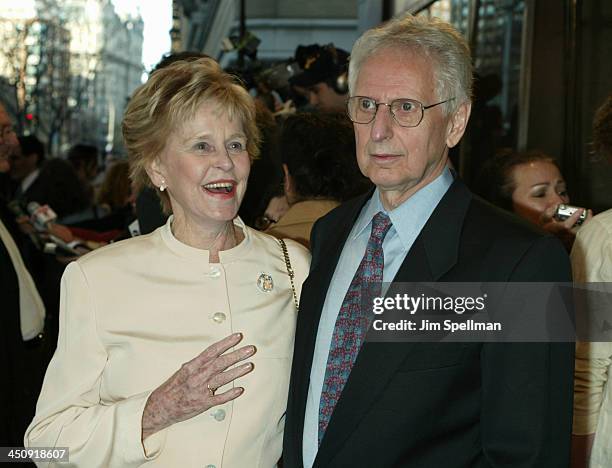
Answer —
211 390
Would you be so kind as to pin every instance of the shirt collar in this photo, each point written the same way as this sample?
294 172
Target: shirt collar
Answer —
29 180
410 216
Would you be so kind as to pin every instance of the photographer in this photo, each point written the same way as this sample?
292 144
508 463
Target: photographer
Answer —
530 184
324 76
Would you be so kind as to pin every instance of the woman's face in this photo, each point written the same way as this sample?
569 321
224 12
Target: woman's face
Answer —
539 185
205 167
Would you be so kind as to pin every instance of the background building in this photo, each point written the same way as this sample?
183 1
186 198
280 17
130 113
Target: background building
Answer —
67 69
280 26
106 68
34 65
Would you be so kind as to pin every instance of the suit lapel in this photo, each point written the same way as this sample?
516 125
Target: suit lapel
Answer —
433 253
442 233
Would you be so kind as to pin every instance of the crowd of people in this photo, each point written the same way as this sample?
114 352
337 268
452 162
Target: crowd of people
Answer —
208 301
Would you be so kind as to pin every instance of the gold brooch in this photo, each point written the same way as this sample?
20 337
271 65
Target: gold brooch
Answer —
265 283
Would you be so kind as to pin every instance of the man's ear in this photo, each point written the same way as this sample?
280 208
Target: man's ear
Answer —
289 185
457 124
287 182
154 172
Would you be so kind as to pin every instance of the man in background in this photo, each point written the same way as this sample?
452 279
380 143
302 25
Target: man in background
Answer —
26 163
324 76
21 319
50 182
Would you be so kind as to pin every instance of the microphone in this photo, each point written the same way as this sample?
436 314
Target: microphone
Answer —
43 218
16 207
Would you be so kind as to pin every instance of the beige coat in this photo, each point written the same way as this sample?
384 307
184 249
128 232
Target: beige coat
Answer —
297 222
131 314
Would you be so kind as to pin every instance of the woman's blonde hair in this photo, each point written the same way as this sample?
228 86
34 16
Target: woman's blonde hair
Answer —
172 96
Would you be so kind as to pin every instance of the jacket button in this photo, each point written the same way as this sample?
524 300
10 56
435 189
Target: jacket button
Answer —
215 272
219 415
218 317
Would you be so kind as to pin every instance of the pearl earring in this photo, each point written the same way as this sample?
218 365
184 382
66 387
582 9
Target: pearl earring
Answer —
162 186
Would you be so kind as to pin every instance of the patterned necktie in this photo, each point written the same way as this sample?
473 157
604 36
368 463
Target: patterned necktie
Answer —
352 323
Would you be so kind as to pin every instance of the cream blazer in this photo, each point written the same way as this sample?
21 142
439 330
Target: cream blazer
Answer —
131 314
592 262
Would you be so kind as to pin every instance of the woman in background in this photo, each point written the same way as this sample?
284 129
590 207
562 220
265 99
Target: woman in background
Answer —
530 184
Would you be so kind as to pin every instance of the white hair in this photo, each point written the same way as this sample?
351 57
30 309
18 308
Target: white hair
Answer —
432 38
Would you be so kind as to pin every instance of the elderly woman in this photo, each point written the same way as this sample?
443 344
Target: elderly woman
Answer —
530 184
147 369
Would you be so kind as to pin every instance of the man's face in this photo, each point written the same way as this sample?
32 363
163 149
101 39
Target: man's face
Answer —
8 140
401 160
323 97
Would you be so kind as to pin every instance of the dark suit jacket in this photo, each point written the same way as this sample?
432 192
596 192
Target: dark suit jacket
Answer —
58 186
23 364
441 404
149 211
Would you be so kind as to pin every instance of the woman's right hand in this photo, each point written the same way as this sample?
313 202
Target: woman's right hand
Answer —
565 230
190 390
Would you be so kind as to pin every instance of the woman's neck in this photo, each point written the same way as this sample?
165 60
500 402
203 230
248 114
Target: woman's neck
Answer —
224 237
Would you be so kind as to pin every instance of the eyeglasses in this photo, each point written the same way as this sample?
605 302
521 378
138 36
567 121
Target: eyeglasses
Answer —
406 112
263 222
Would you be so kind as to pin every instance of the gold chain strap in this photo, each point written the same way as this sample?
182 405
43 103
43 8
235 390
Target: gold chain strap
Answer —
289 271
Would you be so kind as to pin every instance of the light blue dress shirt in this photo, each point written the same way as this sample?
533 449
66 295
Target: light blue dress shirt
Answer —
408 219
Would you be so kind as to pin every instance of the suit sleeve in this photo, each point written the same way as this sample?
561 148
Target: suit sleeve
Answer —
527 387
70 412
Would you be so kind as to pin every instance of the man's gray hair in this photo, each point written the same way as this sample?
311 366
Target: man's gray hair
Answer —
433 39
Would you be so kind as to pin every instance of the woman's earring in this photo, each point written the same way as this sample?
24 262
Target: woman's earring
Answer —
162 186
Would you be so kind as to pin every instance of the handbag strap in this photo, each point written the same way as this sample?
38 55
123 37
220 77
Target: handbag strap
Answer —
289 271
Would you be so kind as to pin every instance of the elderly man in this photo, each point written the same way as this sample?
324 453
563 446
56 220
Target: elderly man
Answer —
420 404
